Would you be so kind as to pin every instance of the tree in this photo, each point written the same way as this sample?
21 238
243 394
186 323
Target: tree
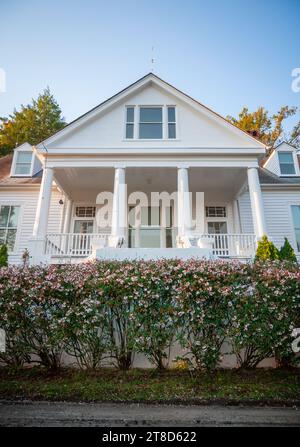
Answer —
287 252
33 123
266 250
268 129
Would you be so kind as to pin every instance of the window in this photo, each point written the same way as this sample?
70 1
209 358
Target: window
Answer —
217 227
129 122
296 221
85 211
171 123
8 225
215 211
150 216
23 163
83 226
150 123
154 123
286 161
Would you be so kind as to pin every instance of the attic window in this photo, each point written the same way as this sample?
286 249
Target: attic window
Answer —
151 123
23 163
286 162
129 122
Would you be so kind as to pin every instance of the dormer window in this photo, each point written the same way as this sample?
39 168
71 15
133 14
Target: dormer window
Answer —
286 162
23 163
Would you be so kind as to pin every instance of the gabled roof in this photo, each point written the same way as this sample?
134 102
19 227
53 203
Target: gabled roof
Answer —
140 83
287 144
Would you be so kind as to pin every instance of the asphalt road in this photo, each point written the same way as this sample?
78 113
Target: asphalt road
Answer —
69 414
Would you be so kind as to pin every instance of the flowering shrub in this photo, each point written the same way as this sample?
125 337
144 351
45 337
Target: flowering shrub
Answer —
154 311
206 294
114 309
265 315
84 321
31 309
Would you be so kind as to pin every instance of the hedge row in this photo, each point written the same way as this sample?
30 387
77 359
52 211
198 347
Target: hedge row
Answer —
114 309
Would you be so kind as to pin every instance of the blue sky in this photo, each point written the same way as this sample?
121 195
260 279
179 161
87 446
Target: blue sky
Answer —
226 54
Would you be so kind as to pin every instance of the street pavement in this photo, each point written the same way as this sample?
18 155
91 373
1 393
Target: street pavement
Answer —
71 414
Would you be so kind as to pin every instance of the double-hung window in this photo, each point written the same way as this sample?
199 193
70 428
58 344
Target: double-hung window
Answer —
23 163
171 123
129 122
296 221
9 216
286 162
151 123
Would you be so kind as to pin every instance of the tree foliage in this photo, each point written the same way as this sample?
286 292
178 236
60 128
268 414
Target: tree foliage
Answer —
287 252
266 250
3 256
268 128
32 123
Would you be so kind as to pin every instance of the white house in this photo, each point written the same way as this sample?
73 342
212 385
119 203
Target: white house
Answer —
148 173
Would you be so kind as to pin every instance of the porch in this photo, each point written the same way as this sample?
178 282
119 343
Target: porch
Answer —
148 211
77 246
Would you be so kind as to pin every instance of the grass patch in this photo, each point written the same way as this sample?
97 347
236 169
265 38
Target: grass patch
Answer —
150 385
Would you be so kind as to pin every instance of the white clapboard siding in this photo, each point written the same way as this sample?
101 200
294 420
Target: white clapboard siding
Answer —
277 206
27 199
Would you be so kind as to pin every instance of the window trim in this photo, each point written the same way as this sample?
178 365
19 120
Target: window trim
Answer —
295 163
14 252
15 163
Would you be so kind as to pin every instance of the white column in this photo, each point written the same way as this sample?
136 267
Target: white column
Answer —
257 206
119 208
184 215
42 211
68 214
36 244
236 217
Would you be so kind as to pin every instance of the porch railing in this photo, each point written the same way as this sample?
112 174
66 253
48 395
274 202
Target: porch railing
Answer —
80 244
232 245
73 244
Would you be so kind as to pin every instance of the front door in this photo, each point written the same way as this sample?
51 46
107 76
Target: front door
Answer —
83 226
148 228
219 230
81 243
